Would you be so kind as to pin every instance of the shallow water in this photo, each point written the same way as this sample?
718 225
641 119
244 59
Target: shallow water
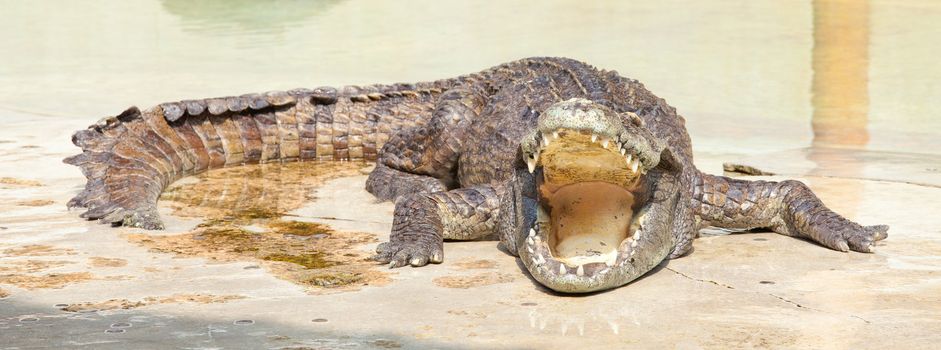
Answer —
855 74
245 213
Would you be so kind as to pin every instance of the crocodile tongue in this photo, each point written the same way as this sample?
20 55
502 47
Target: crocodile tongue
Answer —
589 221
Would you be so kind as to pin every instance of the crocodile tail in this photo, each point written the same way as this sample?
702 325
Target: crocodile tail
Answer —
130 158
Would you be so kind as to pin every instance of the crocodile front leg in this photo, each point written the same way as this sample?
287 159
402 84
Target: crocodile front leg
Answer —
416 167
423 220
788 207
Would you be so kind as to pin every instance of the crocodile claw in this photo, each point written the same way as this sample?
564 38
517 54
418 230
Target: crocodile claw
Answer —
398 254
864 240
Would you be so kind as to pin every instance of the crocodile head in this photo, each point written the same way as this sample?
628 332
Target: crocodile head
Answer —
599 192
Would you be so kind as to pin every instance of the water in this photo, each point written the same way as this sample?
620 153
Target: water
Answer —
731 67
839 88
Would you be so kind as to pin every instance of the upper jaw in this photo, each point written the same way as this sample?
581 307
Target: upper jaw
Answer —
622 133
636 158
638 149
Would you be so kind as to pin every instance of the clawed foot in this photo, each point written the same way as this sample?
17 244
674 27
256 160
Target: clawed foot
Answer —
145 219
862 239
847 236
398 254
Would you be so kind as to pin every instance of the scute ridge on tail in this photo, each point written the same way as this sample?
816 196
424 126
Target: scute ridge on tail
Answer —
128 159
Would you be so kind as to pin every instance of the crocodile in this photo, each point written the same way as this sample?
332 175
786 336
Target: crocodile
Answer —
581 173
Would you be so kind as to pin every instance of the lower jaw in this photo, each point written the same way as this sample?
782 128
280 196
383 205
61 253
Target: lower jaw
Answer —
563 269
636 255
561 276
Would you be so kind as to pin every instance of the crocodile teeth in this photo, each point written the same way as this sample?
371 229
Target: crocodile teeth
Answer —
531 164
629 158
604 143
530 240
623 151
555 135
594 138
532 232
530 249
580 271
545 141
633 245
634 165
562 270
538 259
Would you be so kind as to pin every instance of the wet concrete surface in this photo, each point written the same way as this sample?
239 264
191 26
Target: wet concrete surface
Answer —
855 119
734 290
42 328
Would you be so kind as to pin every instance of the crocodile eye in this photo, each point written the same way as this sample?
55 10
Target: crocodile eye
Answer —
635 119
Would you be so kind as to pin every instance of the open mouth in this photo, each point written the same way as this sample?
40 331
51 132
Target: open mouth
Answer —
594 195
591 189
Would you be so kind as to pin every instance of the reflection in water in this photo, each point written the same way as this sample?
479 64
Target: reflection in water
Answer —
241 17
598 320
246 210
253 191
841 94
840 88
841 72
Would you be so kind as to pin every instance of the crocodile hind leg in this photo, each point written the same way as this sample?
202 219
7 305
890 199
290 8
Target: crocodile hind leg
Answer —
788 207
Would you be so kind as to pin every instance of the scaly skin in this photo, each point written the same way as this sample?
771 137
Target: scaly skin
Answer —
461 159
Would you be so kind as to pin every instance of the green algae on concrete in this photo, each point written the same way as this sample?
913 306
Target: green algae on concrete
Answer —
298 228
333 280
244 211
310 261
